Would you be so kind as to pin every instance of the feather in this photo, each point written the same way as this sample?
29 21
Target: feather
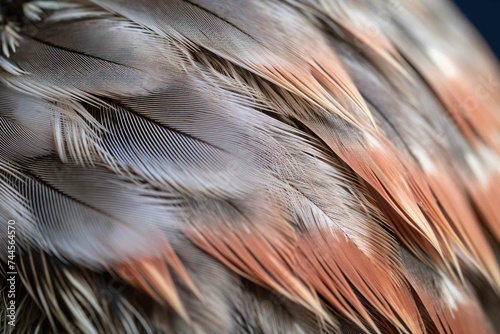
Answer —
277 166
56 194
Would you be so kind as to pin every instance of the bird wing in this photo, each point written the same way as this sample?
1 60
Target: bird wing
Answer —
300 166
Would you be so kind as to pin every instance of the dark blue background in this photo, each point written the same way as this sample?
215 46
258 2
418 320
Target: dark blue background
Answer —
485 16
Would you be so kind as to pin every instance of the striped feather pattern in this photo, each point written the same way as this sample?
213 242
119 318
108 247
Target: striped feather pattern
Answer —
253 166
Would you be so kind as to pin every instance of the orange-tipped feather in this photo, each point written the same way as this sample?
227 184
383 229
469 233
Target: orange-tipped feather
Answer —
254 166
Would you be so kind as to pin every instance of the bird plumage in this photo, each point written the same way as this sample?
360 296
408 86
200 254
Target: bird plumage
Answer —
275 166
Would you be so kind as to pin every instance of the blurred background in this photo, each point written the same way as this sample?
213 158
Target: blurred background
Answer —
485 16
